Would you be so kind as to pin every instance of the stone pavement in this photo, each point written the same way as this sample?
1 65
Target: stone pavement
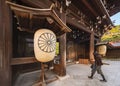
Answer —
77 75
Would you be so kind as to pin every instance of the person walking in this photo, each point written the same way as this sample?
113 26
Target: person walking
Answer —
96 66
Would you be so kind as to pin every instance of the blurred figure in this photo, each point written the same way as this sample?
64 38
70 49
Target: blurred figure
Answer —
96 66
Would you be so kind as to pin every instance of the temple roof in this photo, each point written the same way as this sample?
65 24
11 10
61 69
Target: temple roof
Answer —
89 16
113 45
113 6
31 19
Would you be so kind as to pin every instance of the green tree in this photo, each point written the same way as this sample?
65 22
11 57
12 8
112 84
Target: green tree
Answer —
112 35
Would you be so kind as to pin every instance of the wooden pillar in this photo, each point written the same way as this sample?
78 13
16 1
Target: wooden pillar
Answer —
91 46
5 44
63 49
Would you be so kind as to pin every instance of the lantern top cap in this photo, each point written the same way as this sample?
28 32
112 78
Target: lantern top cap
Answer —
101 43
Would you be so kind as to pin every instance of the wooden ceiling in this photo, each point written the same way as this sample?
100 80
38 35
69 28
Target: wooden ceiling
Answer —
88 15
92 9
31 19
93 13
113 6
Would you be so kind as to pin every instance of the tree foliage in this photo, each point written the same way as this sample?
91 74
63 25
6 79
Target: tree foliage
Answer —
112 35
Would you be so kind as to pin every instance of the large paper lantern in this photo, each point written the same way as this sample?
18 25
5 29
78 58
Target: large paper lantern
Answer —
102 49
44 45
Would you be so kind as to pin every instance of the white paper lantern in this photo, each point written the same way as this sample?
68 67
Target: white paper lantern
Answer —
44 45
102 49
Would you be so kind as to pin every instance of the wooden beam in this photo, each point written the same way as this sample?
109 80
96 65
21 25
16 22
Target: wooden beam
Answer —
78 25
25 29
38 3
79 12
23 60
77 17
19 10
91 47
90 8
5 44
103 10
63 49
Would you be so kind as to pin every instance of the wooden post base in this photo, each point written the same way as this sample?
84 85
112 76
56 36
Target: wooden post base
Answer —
42 81
40 84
